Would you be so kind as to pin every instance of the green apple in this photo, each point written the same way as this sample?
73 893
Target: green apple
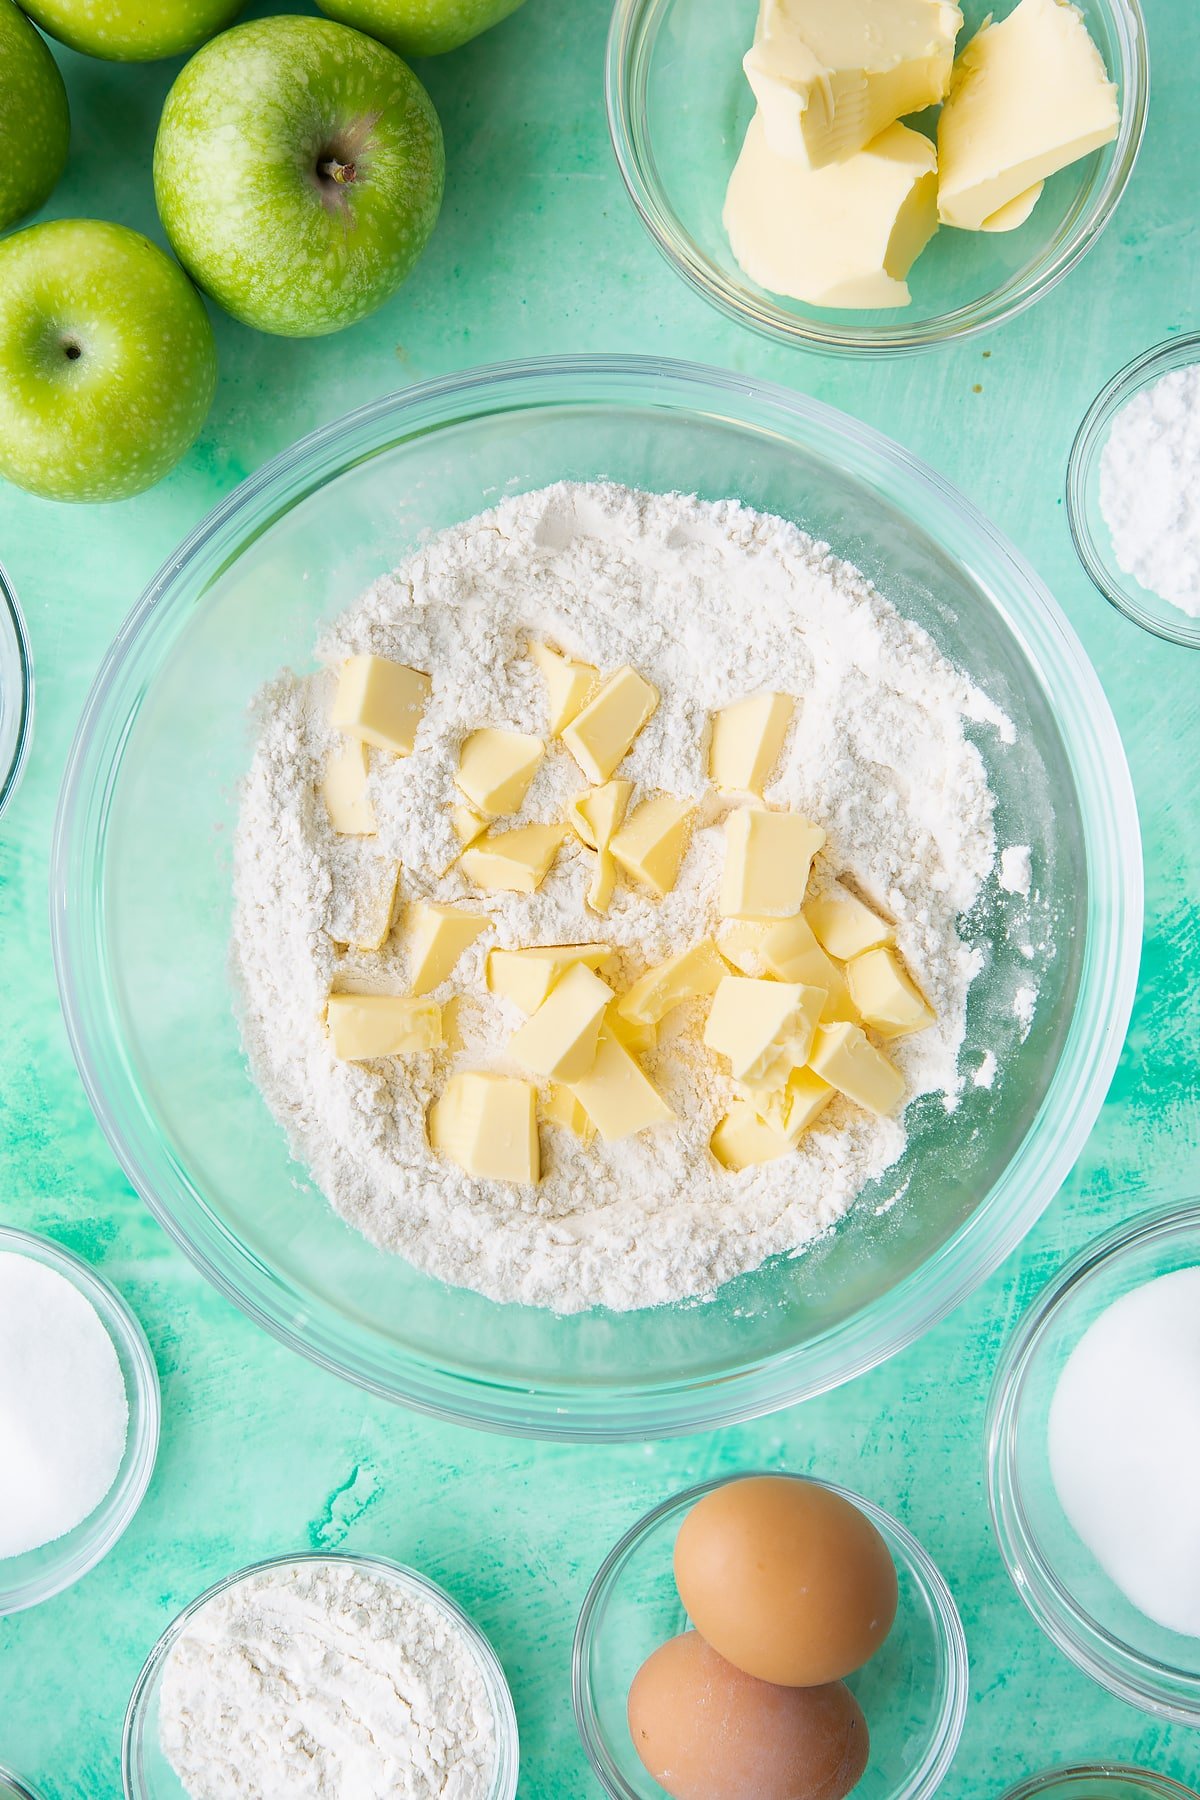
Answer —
107 361
34 122
132 30
298 172
421 27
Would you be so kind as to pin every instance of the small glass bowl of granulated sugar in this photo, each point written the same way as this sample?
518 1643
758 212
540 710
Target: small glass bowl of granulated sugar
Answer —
1133 491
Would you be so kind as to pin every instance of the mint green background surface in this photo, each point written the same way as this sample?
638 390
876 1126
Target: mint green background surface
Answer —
539 251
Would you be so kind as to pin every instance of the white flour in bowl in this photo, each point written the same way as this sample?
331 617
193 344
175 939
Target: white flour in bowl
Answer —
710 602
1150 488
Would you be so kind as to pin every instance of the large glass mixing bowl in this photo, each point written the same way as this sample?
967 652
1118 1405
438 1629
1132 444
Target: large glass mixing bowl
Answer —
142 901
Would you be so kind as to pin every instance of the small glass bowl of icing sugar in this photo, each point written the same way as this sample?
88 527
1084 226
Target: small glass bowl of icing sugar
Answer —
1099 1781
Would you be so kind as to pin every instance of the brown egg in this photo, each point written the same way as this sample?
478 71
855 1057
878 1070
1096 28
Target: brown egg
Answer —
706 1731
786 1580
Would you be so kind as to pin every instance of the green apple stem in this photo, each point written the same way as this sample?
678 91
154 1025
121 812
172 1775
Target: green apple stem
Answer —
331 169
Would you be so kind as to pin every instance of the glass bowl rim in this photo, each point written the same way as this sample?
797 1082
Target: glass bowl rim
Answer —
1175 352
1141 1681
490 1666
12 1785
927 1780
77 1552
627 29
894 1319
15 650
1161 1787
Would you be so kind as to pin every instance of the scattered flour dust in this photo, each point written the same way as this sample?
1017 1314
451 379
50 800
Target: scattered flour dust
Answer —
711 602
330 1681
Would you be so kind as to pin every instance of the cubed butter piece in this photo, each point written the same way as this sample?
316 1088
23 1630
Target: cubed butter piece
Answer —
765 1028
363 902
559 1041
439 935
830 75
600 736
651 843
569 685
364 1026
691 974
594 817
380 703
513 862
885 994
526 976
768 860
562 1108
616 1096
467 824
790 952
842 236
1029 95
452 1027
345 789
844 925
495 769
843 1056
742 1140
747 739
794 1107
638 1037
741 945
487 1124
1014 215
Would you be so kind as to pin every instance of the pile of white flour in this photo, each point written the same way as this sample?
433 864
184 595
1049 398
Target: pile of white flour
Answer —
710 602
1150 488
324 1681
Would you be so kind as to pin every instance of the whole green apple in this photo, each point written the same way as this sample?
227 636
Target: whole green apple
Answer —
35 124
132 30
298 172
107 361
421 27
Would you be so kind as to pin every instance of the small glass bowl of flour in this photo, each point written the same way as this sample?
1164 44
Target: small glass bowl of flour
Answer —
1094 1461
1133 491
325 1676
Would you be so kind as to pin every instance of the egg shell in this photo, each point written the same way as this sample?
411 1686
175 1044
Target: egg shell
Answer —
706 1731
786 1580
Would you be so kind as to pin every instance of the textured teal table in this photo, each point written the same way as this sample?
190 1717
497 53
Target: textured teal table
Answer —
538 250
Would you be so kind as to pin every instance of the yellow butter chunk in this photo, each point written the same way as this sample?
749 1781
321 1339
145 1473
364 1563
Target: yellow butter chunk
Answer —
526 976
842 236
487 1124
380 703
741 945
768 860
562 1108
765 1028
885 994
792 1108
364 903
513 862
569 685
844 925
452 1031
1029 95
790 952
467 823
830 75
1014 215
559 1041
843 1056
637 1036
495 769
599 737
691 974
617 1097
746 742
345 790
440 934
594 817
651 843
742 1140
364 1026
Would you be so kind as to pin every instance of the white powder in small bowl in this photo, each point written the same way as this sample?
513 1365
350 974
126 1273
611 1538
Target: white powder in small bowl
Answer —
1150 488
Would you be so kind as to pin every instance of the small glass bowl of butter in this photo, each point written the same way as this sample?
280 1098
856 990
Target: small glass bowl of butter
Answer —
679 106
1099 1781
16 692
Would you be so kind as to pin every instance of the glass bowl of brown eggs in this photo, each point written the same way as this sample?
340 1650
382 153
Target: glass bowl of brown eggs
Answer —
775 1628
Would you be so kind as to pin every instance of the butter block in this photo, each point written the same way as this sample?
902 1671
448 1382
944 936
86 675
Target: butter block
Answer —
380 703
742 1140
526 976
439 935
467 824
1014 215
638 1037
559 1041
452 1031
1029 95
513 862
844 925
487 1124
345 790
561 1107
747 739
741 944
768 860
363 902
843 1056
842 236
830 75
495 769
569 685
885 994
691 974
790 952
651 843
765 1028
364 1026
600 736
793 1108
594 817
617 1096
